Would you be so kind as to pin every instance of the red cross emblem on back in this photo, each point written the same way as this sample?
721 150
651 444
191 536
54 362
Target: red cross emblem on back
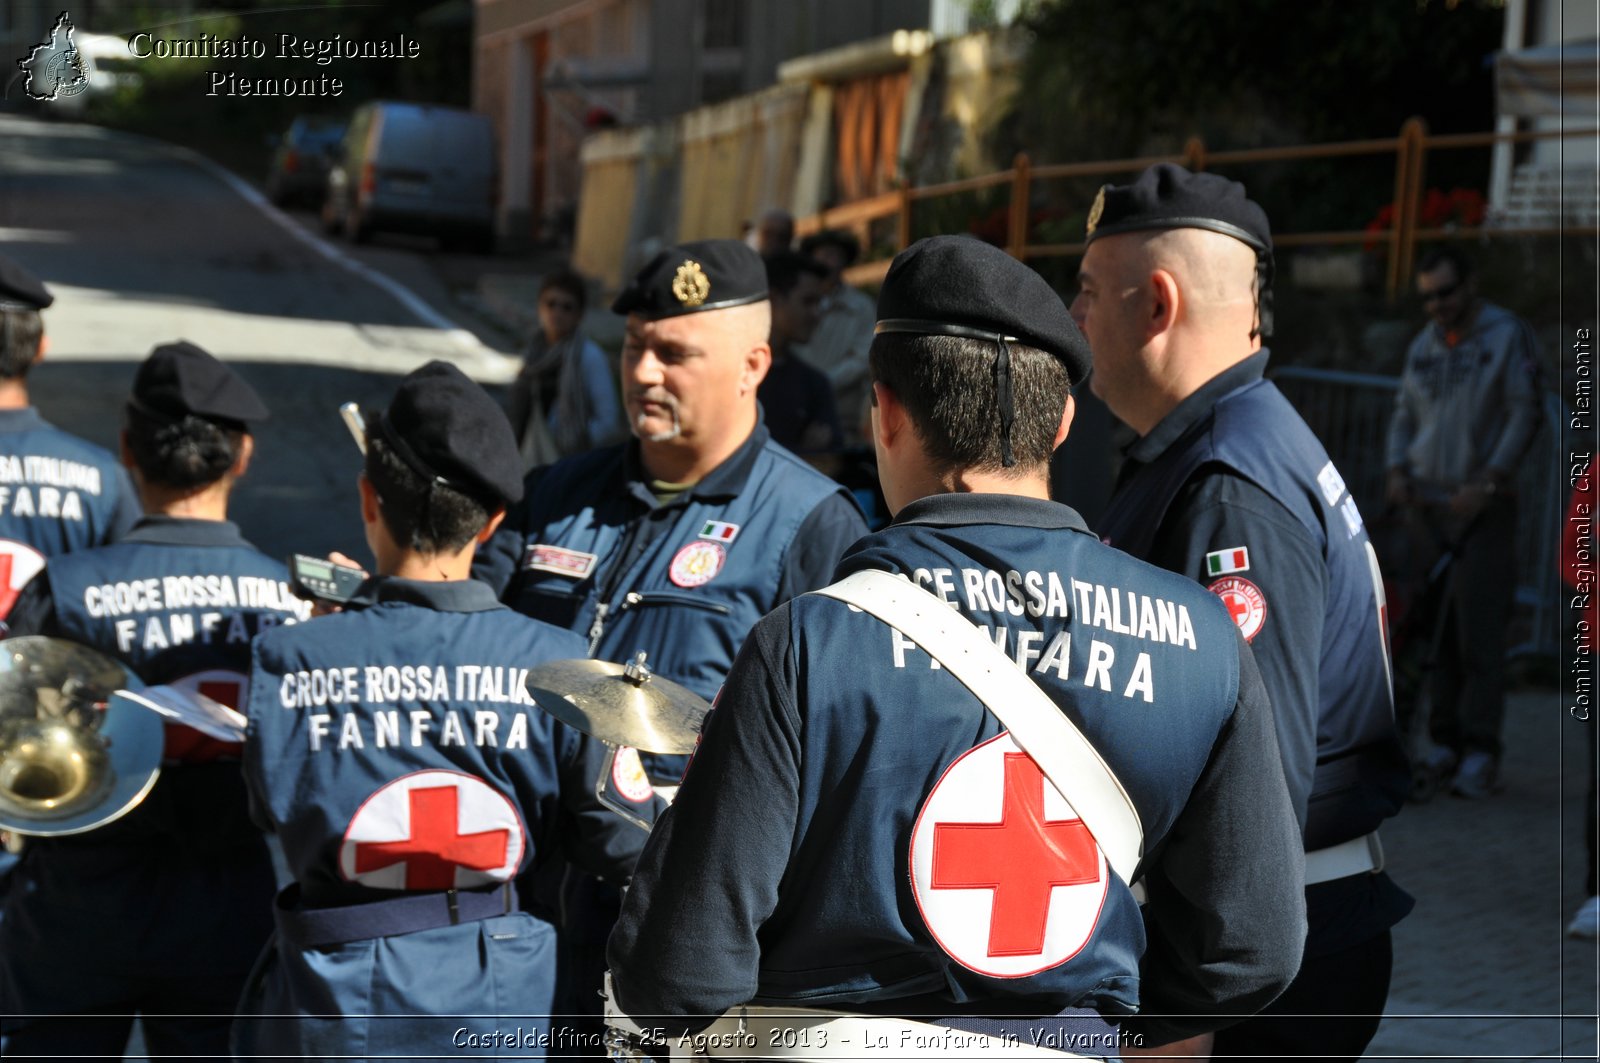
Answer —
433 830
193 747
1022 859
436 846
1007 878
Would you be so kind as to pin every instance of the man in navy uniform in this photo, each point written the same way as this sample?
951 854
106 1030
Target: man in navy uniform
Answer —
60 493
858 832
163 911
395 750
1226 485
678 541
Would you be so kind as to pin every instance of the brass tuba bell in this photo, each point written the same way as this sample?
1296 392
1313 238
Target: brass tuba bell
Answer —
72 756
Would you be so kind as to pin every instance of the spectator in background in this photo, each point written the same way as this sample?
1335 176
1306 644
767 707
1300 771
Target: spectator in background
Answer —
839 345
564 400
1467 408
773 233
796 399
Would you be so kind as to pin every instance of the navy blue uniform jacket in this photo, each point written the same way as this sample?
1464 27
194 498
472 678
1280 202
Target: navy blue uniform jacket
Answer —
1232 489
841 839
590 549
57 494
395 751
181 886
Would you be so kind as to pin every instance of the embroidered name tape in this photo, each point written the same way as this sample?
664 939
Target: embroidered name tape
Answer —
561 561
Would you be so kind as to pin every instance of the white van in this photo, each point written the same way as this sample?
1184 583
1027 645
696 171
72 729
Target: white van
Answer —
410 167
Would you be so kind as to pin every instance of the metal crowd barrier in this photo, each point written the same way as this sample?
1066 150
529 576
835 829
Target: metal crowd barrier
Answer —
1350 413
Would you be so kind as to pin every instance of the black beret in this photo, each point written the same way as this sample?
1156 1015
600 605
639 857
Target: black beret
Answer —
179 379
21 288
447 428
960 286
694 277
1166 196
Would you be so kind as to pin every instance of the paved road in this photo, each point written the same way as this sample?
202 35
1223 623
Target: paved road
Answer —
1483 969
142 243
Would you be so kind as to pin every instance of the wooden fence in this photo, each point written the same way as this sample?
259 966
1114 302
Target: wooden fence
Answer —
1410 150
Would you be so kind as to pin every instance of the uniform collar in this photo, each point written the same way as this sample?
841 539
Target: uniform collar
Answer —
451 596
725 482
982 508
1197 407
185 531
21 420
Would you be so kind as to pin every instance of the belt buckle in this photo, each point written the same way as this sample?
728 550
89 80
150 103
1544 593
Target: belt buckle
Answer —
454 905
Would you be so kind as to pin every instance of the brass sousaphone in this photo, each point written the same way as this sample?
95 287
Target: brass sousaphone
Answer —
73 756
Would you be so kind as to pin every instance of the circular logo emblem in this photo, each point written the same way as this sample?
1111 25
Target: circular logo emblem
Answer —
433 830
1007 878
1245 603
67 75
628 776
697 563
690 285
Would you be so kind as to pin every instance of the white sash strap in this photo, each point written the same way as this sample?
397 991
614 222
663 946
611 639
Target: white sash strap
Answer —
1358 856
1066 758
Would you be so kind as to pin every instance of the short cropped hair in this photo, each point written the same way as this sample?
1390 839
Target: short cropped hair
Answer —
189 452
947 385
421 514
21 328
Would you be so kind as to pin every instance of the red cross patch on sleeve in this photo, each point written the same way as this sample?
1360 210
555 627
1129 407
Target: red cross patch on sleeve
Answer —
1245 602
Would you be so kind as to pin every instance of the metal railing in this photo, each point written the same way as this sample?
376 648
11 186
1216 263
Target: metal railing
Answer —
1410 150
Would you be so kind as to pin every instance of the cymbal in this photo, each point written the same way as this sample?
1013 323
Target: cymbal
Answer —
625 705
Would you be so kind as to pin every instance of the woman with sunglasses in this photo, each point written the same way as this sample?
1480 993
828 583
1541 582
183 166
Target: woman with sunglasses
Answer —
564 400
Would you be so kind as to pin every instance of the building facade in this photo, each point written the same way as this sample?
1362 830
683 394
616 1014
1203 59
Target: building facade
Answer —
549 72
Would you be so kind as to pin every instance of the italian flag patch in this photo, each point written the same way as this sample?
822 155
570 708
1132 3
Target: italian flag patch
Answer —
1224 562
719 531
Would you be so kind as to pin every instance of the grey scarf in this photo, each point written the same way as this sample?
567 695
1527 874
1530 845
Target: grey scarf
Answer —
548 368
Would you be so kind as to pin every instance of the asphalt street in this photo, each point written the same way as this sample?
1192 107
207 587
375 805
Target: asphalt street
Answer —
144 243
